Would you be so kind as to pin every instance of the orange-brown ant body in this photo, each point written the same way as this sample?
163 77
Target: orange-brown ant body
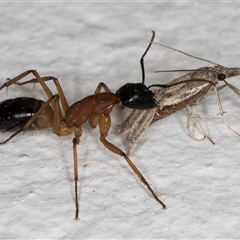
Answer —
94 108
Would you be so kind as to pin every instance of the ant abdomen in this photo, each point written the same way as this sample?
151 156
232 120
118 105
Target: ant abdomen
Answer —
15 113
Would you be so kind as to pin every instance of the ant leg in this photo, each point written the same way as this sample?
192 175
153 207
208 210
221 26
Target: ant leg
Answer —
76 140
24 74
17 78
33 119
100 86
21 76
104 125
40 80
189 116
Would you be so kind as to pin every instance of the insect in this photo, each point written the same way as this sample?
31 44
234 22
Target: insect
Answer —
182 92
95 108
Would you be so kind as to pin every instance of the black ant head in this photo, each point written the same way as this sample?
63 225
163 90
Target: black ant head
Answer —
136 96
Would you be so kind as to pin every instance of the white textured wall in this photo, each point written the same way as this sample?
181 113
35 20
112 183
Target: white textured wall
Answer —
83 44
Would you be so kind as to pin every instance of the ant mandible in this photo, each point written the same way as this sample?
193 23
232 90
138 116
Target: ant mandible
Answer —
94 108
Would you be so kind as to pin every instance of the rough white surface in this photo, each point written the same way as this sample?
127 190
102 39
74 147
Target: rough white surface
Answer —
83 44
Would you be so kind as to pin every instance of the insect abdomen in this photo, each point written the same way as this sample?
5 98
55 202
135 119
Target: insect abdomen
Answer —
16 112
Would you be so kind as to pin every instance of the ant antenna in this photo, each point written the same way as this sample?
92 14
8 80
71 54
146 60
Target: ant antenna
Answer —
184 81
187 54
142 58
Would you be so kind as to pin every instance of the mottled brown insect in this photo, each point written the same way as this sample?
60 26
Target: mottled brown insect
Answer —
183 92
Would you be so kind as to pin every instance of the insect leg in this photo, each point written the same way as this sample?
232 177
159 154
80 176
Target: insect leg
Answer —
76 140
188 125
221 112
42 81
16 79
104 125
233 88
100 86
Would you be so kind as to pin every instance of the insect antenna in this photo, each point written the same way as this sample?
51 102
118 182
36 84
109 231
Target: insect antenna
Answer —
186 70
144 54
187 54
181 82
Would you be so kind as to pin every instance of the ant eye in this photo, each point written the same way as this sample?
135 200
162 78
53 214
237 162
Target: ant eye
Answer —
221 76
135 96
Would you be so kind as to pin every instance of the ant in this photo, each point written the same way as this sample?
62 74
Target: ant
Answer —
25 112
138 95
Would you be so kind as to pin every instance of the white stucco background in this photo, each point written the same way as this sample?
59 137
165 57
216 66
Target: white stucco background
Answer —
86 43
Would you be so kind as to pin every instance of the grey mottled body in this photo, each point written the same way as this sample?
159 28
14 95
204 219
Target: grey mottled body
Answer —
174 98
